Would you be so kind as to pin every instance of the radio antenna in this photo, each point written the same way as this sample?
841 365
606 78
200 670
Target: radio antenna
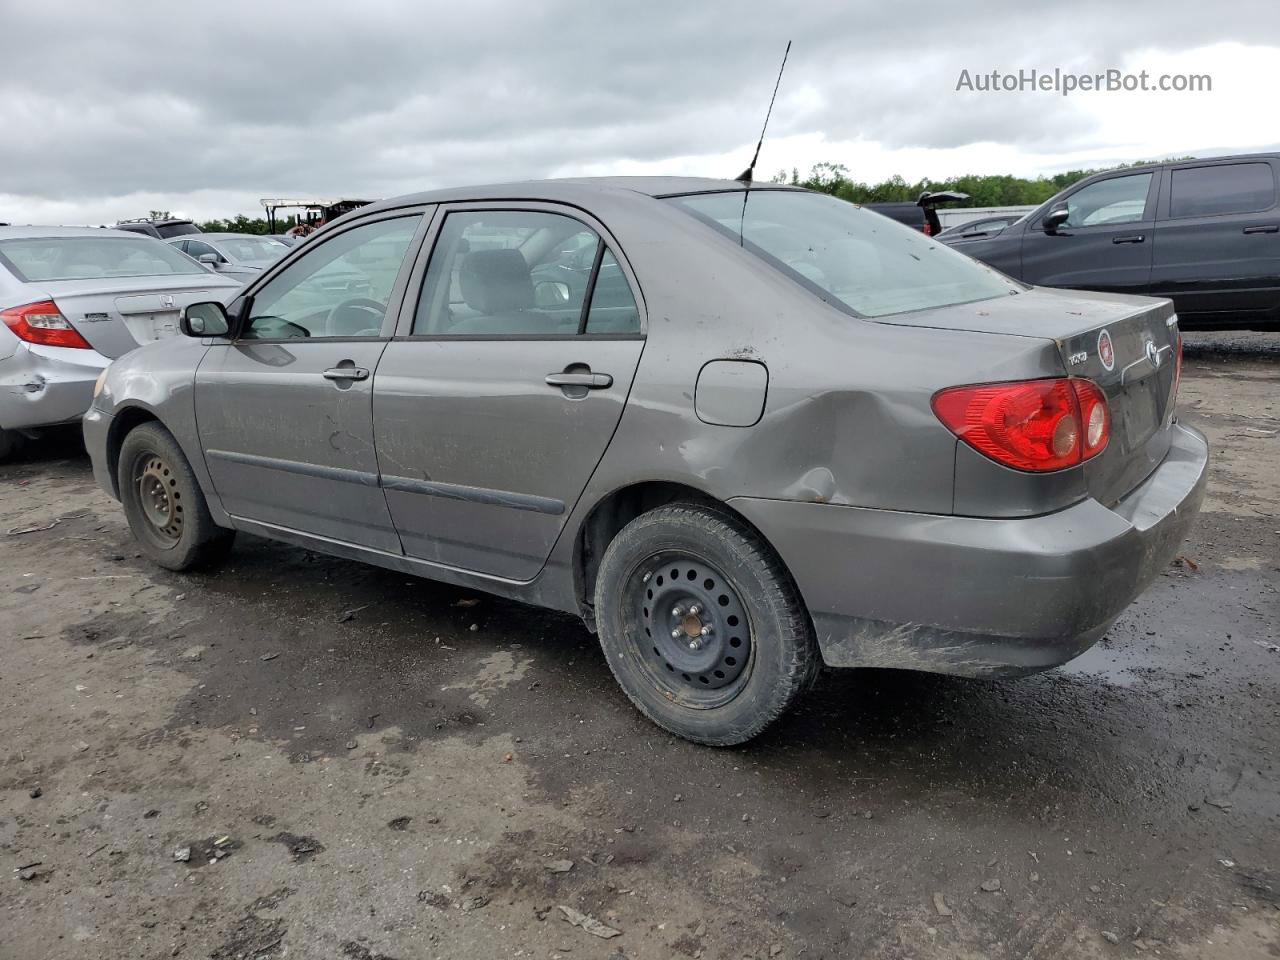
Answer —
748 174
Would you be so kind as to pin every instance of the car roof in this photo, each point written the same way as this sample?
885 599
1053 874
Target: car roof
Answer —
27 233
576 190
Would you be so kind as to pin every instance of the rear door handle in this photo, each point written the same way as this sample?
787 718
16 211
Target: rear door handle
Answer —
1267 228
592 381
1132 238
346 373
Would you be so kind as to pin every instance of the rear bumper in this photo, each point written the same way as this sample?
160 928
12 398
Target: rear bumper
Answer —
42 386
980 597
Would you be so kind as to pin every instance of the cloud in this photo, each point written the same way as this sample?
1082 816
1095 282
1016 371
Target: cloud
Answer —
204 108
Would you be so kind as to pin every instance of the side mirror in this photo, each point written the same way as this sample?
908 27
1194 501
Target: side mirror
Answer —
550 294
211 259
208 319
1055 218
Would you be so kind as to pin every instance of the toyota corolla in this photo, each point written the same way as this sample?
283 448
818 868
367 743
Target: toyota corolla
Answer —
741 432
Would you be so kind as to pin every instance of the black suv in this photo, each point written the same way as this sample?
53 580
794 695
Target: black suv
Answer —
160 229
1205 233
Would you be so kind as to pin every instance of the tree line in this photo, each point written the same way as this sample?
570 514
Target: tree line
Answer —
997 190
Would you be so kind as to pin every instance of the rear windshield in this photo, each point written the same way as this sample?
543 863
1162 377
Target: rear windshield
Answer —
859 261
84 258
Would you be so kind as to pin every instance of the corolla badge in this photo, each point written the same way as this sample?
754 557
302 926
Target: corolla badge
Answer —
1106 352
1153 354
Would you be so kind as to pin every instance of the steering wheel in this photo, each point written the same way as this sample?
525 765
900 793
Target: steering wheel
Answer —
351 313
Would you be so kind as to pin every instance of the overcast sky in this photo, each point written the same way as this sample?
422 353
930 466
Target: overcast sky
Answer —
109 110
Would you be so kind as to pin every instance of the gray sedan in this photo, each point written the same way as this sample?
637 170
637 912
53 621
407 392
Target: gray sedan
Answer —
71 299
239 255
741 433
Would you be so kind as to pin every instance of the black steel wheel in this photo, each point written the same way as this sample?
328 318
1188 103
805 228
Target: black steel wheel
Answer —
702 625
699 628
160 500
163 502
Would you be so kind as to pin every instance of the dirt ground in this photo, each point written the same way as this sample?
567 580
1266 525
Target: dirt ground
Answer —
357 766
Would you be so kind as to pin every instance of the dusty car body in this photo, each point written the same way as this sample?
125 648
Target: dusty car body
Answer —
72 299
744 454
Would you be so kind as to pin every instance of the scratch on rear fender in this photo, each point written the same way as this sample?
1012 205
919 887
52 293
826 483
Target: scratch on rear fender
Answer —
905 646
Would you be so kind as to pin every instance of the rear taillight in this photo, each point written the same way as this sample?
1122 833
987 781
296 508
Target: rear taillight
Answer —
928 230
1032 425
44 324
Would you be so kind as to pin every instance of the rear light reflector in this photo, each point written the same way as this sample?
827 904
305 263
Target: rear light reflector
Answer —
1031 425
44 324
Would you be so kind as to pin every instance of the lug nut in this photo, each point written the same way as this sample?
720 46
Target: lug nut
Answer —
695 645
677 633
677 611
706 631
694 610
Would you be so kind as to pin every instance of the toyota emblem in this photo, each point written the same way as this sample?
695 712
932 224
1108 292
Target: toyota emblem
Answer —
1153 354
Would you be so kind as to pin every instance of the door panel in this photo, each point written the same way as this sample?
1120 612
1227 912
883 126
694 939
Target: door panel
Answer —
285 412
1217 250
286 445
1105 245
482 459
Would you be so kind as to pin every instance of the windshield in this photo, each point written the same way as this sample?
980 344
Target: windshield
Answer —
854 259
253 248
83 258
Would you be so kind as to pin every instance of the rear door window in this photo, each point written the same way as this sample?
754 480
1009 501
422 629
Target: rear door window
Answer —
522 273
1221 188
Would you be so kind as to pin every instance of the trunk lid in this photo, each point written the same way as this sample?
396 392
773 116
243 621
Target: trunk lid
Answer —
1133 360
115 316
1138 379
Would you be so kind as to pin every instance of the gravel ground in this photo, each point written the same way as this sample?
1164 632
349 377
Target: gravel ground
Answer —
304 757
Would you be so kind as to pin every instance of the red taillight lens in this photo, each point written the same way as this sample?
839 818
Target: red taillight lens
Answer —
928 230
44 324
1033 425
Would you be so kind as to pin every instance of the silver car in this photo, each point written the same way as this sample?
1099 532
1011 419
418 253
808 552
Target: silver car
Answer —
239 255
73 298
742 434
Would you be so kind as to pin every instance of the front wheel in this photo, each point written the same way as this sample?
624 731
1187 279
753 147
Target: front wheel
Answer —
702 625
163 502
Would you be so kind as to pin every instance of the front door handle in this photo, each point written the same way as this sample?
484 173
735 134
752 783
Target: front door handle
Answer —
1132 238
592 381
1266 228
346 373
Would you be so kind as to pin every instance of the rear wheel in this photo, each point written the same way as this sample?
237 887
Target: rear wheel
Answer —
702 625
163 503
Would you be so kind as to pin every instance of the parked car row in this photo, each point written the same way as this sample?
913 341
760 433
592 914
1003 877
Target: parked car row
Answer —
72 299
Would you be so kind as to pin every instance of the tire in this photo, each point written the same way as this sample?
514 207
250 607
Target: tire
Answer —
11 441
163 502
731 598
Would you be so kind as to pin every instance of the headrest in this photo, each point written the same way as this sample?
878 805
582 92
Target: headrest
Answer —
496 281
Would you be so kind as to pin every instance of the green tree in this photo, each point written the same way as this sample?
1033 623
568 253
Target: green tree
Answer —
990 190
